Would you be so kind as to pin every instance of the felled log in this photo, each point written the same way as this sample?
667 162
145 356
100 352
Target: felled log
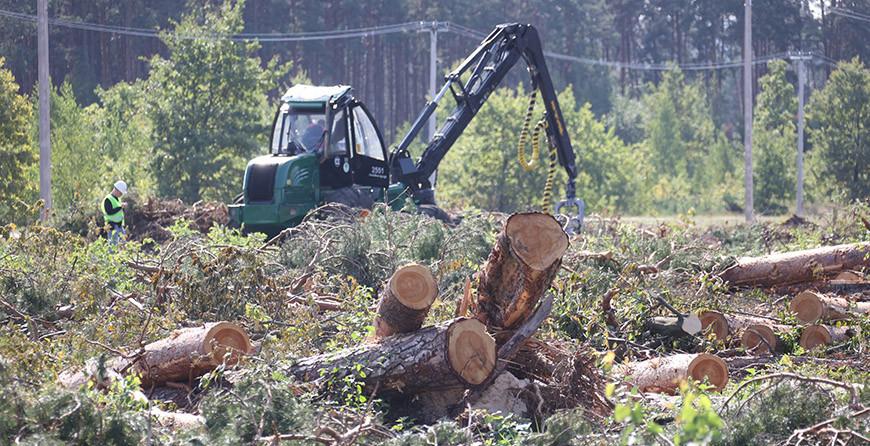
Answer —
186 354
816 335
798 266
725 326
664 374
520 269
458 353
763 339
810 306
405 301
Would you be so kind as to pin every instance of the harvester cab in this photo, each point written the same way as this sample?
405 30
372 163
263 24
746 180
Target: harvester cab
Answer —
325 147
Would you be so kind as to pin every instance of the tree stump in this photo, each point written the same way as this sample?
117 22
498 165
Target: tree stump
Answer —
520 269
664 374
405 301
460 353
798 266
810 306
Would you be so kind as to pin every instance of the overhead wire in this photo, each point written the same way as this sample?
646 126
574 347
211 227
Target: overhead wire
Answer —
417 26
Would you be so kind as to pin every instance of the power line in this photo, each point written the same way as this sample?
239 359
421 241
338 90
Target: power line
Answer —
848 13
382 30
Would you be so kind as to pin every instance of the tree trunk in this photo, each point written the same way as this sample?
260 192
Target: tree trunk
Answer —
405 301
724 326
664 374
799 266
520 269
810 307
816 335
764 338
186 354
191 352
458 353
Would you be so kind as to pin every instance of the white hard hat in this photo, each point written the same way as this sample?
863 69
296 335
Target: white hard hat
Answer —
121 186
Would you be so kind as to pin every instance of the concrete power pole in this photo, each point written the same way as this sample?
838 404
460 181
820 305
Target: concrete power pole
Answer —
802 80
748 204
44 108
433 72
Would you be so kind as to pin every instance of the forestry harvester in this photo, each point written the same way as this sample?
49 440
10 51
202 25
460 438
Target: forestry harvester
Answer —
326 146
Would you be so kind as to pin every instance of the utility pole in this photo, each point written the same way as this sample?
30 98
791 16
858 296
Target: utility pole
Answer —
802 80
748 204
44 108
433 72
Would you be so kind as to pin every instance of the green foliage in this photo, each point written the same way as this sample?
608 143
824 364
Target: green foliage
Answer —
207 104
693 162
17 155
774 139
840 134
772 416
482 169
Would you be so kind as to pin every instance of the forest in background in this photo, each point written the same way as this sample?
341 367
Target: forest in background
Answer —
179 117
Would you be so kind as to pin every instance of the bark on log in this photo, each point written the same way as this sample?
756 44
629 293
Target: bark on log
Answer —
458 353
186 354
810 307
191 352
520 269
799 266
664 374
725 326
816 335
405 301
763 339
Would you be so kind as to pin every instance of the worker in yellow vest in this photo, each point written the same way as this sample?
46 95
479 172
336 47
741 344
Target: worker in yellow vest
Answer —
113 212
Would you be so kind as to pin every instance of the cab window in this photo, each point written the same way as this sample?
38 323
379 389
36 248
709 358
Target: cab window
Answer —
338 135
366 141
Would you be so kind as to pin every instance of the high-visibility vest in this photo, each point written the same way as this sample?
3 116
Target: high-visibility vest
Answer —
117 217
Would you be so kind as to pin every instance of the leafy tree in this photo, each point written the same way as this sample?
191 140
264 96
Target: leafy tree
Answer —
124 135
841 132
79 172
482 168
692 160
774 140
207 102
16 152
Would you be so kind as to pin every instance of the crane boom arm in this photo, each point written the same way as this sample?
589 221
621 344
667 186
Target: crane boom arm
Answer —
486 66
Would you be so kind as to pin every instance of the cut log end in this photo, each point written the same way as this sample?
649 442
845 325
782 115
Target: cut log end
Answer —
405 301
759 339
807 306
709 367
814 336
471 351
716 323
537 239
227 341
414 287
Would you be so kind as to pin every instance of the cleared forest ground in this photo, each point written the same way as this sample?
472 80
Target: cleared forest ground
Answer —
71 303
